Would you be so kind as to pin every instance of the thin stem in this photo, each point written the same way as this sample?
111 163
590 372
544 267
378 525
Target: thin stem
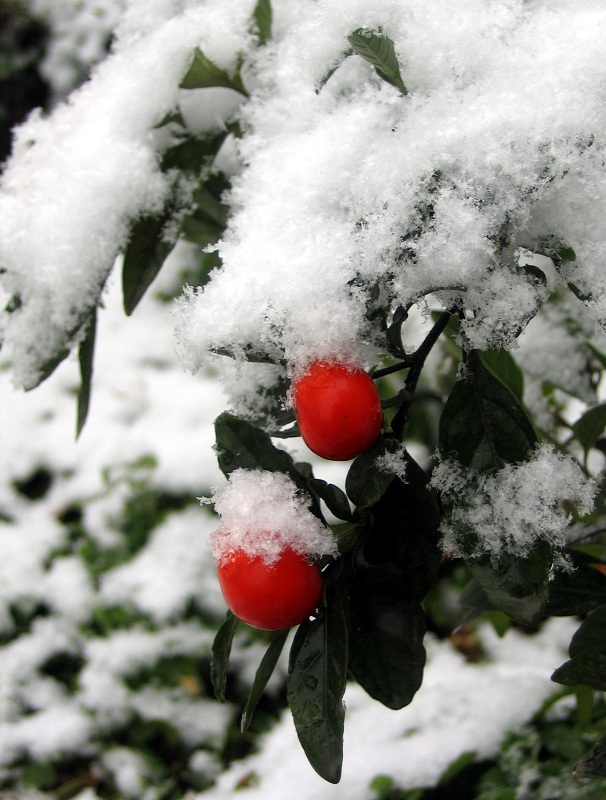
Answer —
381 373
418 359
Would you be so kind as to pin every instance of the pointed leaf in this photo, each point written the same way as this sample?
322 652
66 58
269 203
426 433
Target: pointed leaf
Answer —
221 651
578 591
403 530
145 253
590 426
262 675
517 586
262 17
503 366
241 445
85 358
385 630
204 74
482 424
334 497
367 481
378 50
316 685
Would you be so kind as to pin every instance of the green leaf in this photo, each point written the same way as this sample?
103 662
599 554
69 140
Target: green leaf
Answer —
204 74
366 481
210 207
482 425
590 426
334 497
145 253
262 18
503 366
378 50
85 358
579 591
385 630
557 250
200 231
221 650
241 445
403 530
316 684
191 154
517 586
262 675
587 664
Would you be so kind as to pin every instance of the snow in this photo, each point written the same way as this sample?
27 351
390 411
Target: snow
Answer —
262 514
461 708
337 192
519 505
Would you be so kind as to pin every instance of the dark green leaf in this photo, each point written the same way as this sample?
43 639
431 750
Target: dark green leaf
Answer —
145 253
316 685
221 651
85 358
576 592
210 207
367 481
557 250
262 17
503 366
192 153
590 426
334 497
482 424
385 630
241 445
378 50
403 530
517 586
262 675
204 74
200 231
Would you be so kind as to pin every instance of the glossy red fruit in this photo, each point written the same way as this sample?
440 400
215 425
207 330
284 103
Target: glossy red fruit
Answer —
270 596
338 410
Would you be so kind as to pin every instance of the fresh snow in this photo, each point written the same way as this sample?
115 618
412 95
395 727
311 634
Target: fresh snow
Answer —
502 133
461 708
262 514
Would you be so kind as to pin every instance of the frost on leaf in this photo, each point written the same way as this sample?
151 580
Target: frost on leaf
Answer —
510 511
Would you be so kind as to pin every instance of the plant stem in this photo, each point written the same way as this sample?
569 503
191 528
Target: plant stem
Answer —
417 362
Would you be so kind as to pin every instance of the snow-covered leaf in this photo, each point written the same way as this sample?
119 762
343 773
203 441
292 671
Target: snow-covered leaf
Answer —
378 49
204 74
482 425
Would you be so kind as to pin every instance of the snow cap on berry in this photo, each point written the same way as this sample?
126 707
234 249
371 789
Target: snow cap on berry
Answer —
262 513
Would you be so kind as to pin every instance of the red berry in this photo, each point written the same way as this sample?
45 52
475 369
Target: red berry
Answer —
270 596
338 410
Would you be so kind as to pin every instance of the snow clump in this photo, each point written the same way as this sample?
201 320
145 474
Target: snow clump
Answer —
511 510
262 514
